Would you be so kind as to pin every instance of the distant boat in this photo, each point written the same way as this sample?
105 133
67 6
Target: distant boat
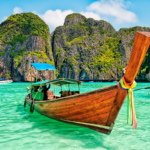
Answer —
5 81
97 109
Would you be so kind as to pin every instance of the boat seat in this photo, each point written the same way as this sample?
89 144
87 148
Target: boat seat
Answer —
50 95
65 93
75 92
68 93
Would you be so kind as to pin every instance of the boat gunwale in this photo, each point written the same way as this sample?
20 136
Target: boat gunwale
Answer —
74 96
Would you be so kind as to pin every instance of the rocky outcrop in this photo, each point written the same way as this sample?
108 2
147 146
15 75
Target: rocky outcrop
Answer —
82 49
127 38
86 49
76 46
24 38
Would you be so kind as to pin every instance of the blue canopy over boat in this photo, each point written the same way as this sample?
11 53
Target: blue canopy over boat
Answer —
43 66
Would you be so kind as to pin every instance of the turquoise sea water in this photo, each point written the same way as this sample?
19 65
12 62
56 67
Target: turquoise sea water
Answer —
20 130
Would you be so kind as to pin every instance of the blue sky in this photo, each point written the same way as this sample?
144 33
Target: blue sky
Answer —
120 13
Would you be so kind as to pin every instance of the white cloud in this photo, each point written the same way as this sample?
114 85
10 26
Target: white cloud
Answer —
90 14
55 18
107 8
17 10
97 10
114 8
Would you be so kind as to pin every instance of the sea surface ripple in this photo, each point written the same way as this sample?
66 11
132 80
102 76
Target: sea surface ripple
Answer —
20 130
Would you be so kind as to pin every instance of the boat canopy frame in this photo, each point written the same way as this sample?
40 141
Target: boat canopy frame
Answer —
41 83
64 81
55 82
58 82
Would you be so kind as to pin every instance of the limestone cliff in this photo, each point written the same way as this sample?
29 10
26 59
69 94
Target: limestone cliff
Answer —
82 49
127 37
86 49
24 38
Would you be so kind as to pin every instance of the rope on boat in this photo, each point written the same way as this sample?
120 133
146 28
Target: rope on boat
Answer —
131 116
142 88
36 93
32 103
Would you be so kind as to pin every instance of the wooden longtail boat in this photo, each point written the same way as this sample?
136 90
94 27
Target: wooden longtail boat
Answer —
96 109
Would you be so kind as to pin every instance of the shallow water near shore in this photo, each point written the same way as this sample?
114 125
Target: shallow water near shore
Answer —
20 130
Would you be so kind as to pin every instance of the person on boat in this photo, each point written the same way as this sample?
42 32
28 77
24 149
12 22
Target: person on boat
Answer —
44 90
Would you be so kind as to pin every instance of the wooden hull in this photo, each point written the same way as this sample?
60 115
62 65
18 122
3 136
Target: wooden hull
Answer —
91 109
97 109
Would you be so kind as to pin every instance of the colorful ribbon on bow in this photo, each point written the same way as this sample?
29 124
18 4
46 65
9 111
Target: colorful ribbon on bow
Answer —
131 116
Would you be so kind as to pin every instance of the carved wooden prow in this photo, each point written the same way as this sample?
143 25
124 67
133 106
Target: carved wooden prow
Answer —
140 47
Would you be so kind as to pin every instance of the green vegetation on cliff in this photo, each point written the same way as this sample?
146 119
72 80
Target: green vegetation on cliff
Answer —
7 75
18 56
109 54
83 47
2 53
22 37
145 69
18 27
90 45
75 16
127 31
42 56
